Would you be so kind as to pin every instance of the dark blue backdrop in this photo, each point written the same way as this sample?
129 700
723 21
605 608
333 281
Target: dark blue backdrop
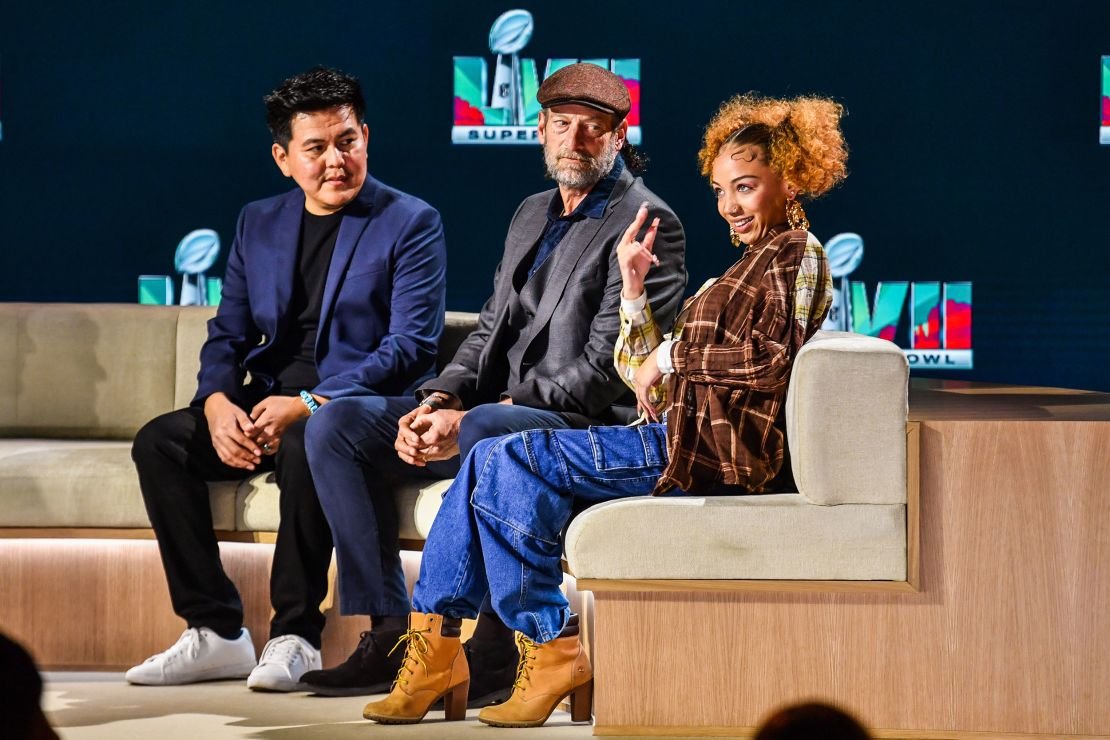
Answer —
973 129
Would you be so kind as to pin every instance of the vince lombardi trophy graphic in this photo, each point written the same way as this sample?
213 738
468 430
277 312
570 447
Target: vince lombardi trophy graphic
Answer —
195 255
844 252
510 33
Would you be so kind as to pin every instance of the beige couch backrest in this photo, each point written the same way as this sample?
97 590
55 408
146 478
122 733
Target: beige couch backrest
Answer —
192 330
85 370
846 414
96 370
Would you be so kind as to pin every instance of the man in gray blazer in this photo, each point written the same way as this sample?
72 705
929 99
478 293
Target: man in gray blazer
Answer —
541 357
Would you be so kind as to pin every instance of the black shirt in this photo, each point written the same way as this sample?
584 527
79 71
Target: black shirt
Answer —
292 358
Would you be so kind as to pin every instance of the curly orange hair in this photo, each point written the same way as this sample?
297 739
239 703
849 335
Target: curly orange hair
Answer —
804 144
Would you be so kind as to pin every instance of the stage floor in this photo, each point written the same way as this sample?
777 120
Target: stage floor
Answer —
102 706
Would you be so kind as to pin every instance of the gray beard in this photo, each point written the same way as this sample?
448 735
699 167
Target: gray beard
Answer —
582 178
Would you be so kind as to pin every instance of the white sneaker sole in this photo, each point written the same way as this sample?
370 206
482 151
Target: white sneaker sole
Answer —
268 683
222 673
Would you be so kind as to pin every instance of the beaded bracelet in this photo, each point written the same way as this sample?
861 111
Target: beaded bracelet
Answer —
310 402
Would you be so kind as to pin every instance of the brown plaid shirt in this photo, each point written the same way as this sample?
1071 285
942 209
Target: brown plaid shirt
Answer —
736 344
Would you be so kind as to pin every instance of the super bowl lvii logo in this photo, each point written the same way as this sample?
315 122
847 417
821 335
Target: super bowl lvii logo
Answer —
506 111
194 257
940 313
1104 130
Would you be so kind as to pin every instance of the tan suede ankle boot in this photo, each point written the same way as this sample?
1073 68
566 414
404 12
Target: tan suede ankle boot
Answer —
547 674
434 666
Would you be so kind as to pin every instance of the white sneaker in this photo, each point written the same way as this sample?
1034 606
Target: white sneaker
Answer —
284 660
198 655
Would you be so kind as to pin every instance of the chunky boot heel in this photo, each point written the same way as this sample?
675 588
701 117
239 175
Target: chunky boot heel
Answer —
547 674
454 702
582 703
434 666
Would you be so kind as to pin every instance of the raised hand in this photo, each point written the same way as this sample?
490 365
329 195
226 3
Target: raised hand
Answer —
635 257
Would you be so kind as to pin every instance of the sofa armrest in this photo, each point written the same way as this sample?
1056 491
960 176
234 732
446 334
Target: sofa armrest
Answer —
846 412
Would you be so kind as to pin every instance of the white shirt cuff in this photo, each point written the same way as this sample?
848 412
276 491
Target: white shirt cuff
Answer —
634 306
663 357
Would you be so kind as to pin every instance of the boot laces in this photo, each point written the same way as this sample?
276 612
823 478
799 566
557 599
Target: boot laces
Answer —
527 659
415 651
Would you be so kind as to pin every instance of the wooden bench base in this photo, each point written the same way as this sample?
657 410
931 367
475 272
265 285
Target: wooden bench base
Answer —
1008 635
88 599
103 604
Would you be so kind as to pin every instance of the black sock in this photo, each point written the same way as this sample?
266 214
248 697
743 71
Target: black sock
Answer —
388 623
228 634
492 633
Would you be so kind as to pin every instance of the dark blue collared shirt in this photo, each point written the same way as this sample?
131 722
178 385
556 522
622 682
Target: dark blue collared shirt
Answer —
592 206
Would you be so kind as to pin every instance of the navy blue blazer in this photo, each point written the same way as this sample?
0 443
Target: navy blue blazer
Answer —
383 303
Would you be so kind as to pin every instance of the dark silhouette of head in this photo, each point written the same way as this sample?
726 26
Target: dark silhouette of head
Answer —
811 721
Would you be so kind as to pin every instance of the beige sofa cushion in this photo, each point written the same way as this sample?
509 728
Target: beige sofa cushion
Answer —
77 483
102 371
846 414
780 536
86 370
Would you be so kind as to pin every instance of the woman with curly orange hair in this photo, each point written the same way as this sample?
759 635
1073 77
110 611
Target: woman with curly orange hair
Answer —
725 372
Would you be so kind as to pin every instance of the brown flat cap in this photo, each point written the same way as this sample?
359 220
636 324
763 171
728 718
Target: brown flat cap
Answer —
586 84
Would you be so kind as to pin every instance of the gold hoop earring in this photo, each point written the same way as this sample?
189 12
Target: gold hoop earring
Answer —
796 215
734 238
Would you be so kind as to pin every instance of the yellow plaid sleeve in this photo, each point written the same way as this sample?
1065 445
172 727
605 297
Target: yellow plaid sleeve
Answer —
638 336
813 285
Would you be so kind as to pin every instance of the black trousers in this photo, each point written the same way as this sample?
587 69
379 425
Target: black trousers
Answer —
174 457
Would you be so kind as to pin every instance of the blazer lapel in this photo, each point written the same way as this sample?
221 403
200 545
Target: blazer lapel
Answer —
524 236
285 236
355 220
530 229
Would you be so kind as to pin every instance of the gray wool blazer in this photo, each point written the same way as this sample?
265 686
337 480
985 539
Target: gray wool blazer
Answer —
567 364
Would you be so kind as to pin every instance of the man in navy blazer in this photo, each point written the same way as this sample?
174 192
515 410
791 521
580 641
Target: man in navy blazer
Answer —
333 290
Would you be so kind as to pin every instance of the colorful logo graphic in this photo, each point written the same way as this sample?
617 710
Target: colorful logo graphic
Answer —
940 313
195 255
1104 130
506 112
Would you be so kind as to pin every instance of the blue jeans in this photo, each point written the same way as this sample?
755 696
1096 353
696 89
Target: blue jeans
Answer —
349 444
501 521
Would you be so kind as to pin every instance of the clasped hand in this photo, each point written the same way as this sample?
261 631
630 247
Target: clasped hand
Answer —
426 434
241 439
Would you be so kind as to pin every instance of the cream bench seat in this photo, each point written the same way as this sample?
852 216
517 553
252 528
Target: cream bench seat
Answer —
850 520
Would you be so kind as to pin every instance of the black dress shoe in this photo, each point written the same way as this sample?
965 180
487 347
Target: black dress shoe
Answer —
492 673
369 670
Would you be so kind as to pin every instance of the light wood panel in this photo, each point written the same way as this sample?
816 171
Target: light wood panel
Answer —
749 732
913 505
104 604
1009 633
108 533
961 400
